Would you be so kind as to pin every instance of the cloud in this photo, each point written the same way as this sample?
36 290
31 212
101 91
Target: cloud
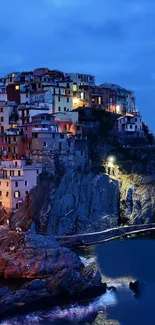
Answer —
113 40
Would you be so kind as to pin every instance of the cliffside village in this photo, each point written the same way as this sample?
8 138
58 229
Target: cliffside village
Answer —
40 124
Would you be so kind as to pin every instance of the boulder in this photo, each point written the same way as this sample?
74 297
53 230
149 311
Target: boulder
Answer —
54 272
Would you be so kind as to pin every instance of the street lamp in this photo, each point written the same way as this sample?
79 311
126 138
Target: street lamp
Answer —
111 161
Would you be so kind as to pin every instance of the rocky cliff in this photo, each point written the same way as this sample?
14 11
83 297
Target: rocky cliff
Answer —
137 199
84 201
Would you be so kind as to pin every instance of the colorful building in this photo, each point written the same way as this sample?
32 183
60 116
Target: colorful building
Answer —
17 178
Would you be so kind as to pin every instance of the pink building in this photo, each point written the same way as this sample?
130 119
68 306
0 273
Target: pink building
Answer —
17 178
130 124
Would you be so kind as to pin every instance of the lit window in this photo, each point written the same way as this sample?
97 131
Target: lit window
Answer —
17 87
13 75
82 96
16 194
99 100
74 87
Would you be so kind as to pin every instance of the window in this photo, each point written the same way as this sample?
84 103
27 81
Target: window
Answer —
1 109
27 95
14 149
7 194
37 171
39 85
60 145
16 206
25 136
135 119
59 91
74 87
2 119
14 139
64 109
7 184
0 193
11 172
0 183
19 173
15 163
78 128
130 126
45 144
99 100
26 193
26 183
61 136
59 99
53 135
16 184
67 99
17 87
135 126
16 194
59 108
25 128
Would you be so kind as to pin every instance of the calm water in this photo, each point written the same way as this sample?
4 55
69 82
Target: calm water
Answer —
119 262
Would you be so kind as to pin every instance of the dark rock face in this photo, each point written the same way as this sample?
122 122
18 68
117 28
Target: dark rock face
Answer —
137 199
55 271
92 201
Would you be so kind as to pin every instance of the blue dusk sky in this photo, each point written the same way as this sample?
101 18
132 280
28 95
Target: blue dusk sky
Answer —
111 39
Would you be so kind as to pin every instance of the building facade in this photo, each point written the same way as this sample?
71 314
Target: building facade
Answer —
130 124
16 180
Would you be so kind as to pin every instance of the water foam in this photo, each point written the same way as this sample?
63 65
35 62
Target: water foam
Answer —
74 313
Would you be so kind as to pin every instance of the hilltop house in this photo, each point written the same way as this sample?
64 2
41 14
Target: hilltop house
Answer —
130 125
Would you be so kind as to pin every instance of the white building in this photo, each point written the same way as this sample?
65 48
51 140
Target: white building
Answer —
81 79
130 124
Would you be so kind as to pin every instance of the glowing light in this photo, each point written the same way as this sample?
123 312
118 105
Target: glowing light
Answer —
17 87
75 100
111 159
118 108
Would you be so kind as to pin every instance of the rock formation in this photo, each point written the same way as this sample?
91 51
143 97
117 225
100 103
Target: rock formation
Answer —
54 271
137 200
89 201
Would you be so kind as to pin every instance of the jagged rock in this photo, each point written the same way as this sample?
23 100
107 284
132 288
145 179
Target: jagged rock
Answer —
91 199
29 255
135 287
112 288
137 199
55 271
